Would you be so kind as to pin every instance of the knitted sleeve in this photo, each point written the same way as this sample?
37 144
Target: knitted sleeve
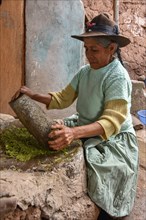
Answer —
113 116
62 99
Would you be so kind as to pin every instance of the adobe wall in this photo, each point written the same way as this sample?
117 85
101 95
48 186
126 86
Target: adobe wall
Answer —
132 24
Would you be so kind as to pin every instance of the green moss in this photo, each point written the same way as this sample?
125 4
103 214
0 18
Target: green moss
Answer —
20 144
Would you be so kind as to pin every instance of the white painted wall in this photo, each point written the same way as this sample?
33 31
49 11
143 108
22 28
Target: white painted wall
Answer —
52 56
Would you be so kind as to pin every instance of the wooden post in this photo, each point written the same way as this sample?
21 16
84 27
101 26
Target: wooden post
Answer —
116 11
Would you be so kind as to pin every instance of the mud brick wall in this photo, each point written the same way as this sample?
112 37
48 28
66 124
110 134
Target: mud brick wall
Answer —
132 24
138 96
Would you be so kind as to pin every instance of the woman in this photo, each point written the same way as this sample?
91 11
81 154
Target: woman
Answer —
103 121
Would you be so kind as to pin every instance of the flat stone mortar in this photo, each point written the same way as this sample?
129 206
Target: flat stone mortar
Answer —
54 191
46 187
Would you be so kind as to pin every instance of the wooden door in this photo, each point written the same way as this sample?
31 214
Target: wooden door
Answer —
11 51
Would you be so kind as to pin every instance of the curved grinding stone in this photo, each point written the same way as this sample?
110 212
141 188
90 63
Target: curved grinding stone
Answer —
32 117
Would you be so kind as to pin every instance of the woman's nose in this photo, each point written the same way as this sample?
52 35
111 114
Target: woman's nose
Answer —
89 55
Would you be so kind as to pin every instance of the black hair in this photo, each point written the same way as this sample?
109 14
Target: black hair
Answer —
118 51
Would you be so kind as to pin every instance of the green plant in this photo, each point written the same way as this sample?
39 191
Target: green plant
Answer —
20 144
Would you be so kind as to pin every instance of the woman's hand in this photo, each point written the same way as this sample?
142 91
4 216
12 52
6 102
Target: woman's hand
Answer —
43 98
26 91
61 136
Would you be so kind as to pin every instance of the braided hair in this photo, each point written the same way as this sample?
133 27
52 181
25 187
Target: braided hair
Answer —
118 51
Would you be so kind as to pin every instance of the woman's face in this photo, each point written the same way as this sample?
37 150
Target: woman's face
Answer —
97 55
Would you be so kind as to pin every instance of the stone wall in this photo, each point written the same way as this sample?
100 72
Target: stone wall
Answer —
132 24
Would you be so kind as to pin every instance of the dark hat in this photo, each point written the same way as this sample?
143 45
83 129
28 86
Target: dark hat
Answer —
102 26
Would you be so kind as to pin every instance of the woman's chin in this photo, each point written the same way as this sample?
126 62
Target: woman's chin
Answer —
94 66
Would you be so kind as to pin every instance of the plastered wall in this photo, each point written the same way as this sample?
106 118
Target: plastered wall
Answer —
52 56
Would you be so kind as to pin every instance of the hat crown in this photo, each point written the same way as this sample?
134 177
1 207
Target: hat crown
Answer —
103 19
103 24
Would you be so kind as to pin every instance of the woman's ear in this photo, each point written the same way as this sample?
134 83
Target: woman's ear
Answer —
113 48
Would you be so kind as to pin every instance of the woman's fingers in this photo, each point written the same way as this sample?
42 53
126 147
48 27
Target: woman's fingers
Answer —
57 144
61 136
55 133
57 126
26 90
60 140
23 89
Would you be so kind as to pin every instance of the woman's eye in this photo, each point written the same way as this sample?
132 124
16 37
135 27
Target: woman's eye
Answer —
91 50
94 50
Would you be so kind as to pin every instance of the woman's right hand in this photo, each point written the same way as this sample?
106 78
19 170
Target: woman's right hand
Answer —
25 90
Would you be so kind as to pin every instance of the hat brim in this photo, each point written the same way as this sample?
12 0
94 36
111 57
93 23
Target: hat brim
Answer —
119 39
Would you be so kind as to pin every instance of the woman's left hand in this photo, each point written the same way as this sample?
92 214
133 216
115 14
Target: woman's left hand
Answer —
61 136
